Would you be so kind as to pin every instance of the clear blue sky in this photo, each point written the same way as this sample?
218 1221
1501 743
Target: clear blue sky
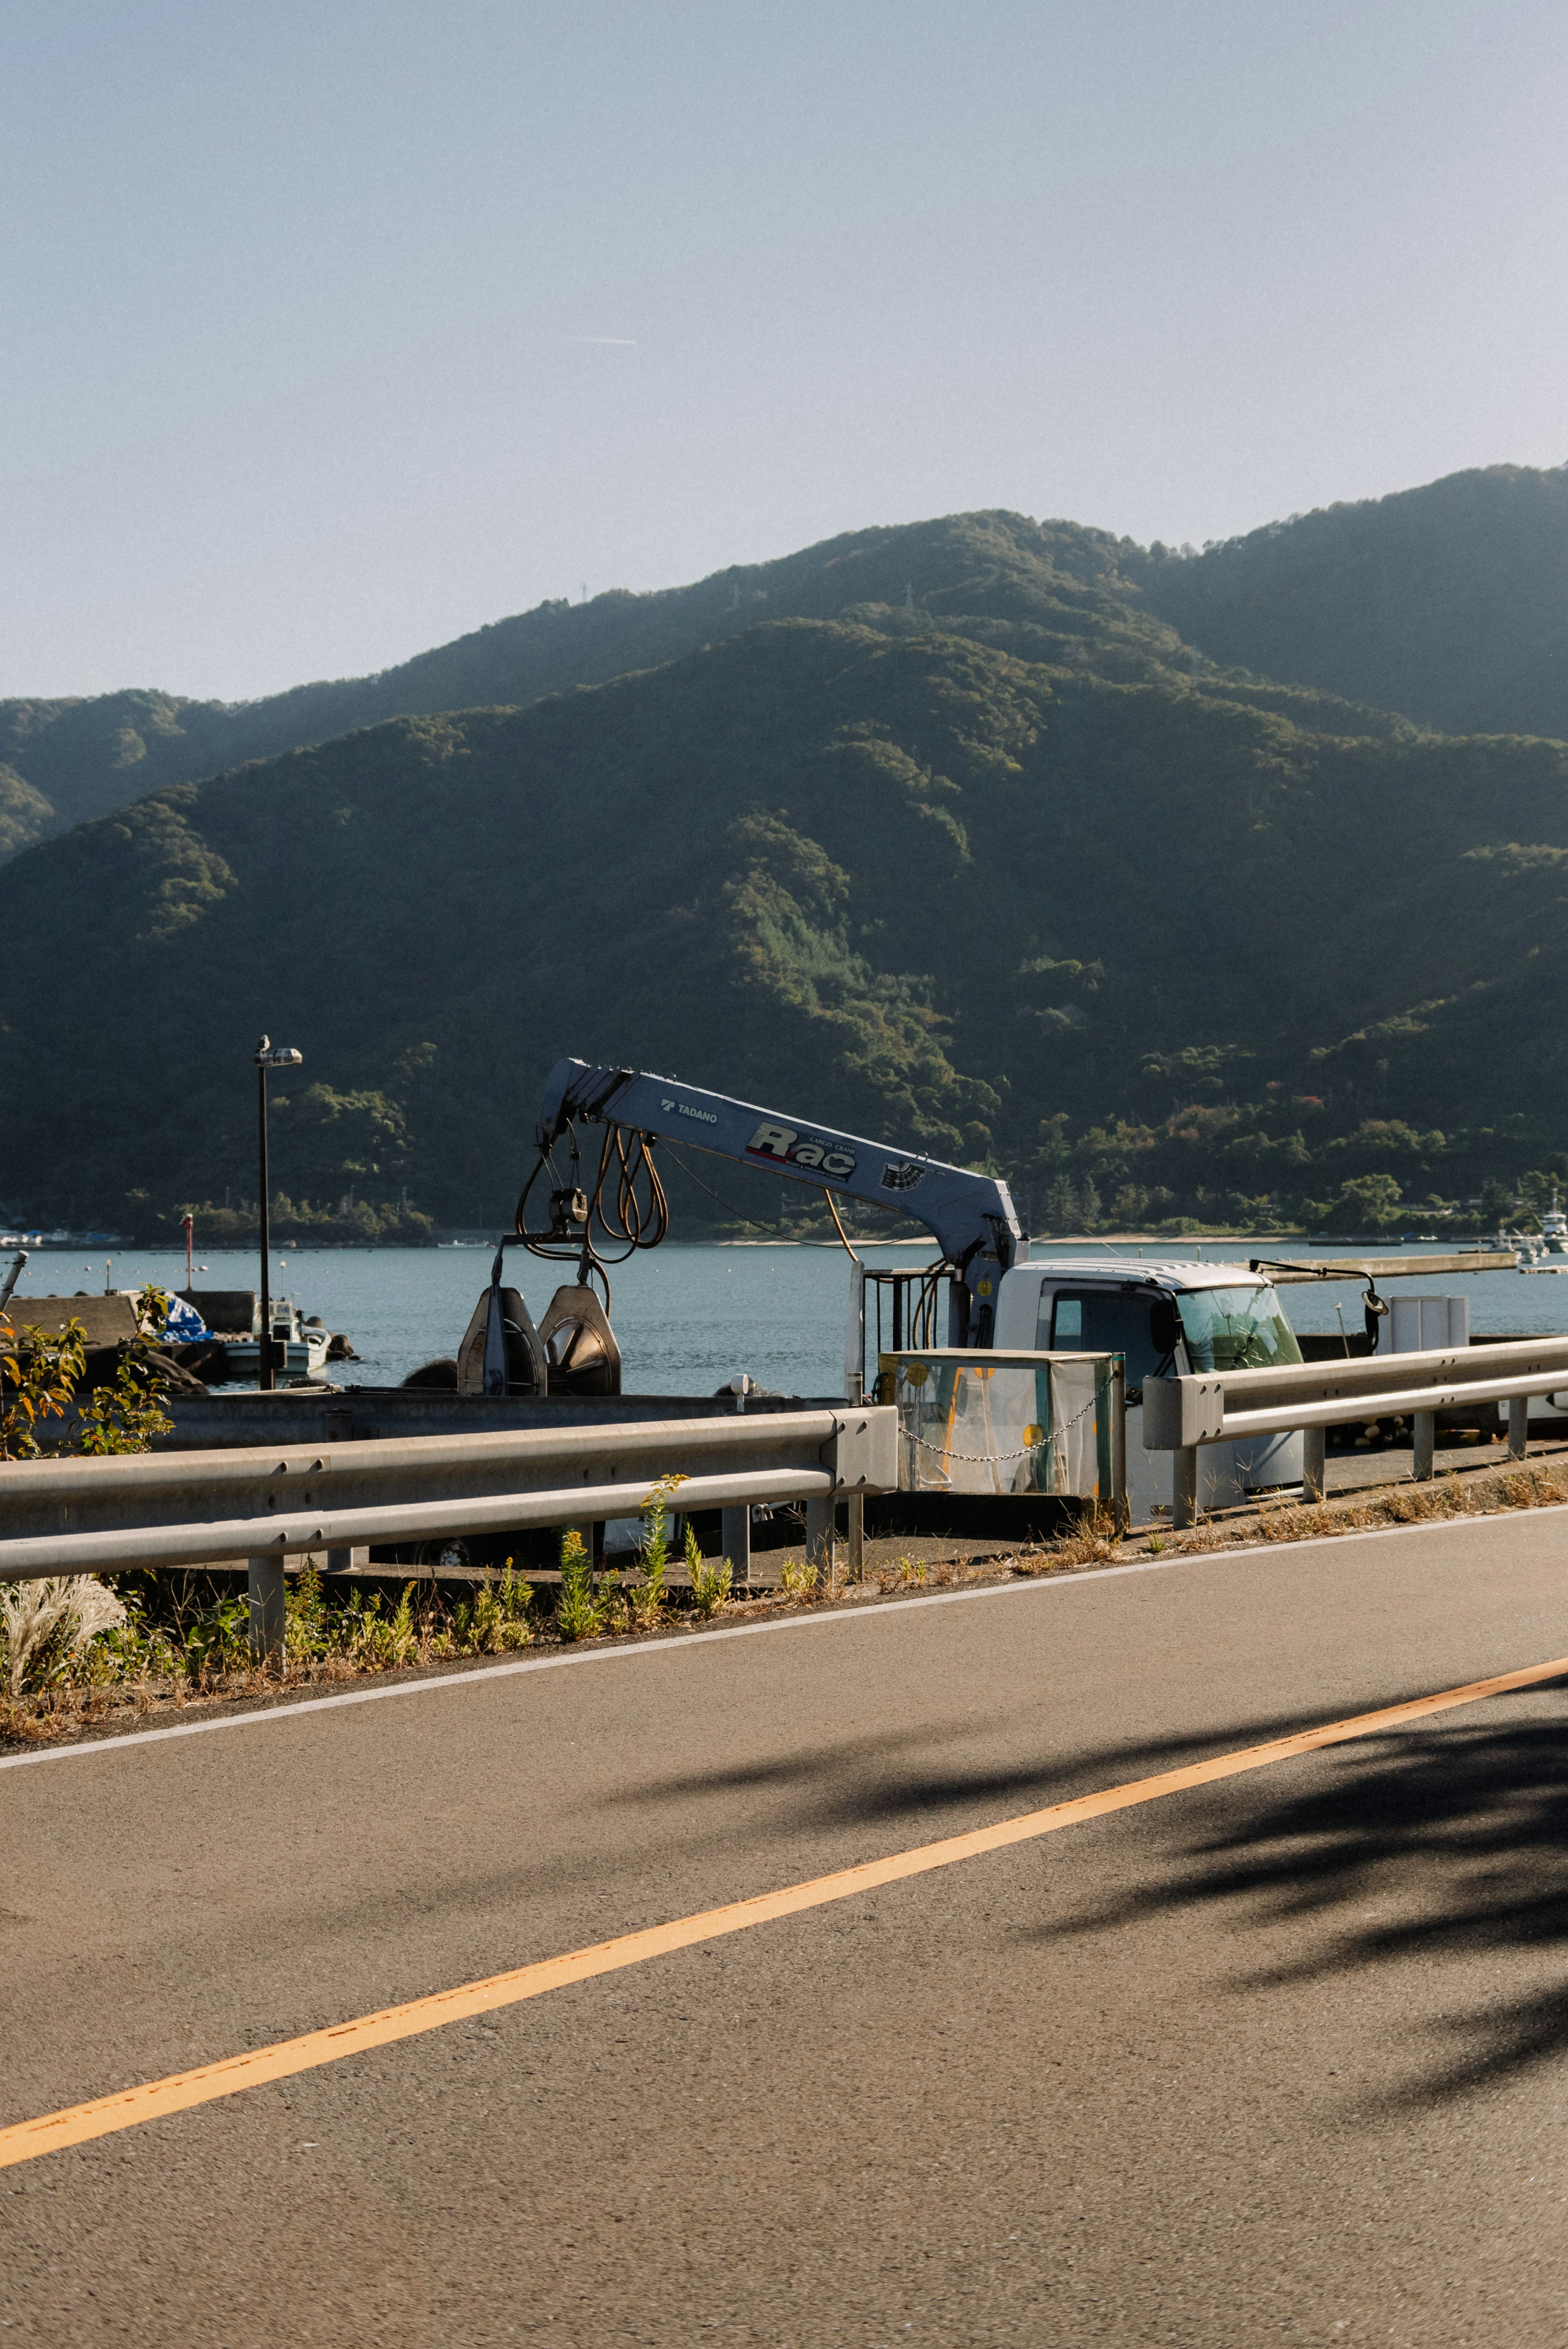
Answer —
334 330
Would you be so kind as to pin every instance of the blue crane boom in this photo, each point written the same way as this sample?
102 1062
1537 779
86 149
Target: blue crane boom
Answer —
970 1216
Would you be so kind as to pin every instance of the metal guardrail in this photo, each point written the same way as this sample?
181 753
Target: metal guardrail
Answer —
1179 1415
262 1504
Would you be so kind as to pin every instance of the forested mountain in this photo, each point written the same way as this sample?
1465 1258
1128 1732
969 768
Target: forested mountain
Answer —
1045 591
1448 603
1150 947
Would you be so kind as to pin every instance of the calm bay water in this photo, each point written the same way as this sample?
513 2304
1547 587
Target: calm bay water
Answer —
689 1316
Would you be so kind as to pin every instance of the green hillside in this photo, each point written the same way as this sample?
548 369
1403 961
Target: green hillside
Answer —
1448 603
1156 952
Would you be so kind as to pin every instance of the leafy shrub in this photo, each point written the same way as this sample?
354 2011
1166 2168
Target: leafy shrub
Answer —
125 1415
38 1376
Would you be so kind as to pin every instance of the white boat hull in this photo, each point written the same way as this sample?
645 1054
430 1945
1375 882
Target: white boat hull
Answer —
302 1357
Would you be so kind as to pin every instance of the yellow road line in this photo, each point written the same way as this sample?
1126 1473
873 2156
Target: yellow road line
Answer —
77 2124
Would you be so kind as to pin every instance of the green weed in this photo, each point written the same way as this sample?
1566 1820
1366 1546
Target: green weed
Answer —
799 1579
217 1642
492 1622
306 1631
610 1601
376 1642
576 1608
710 1584
648 1597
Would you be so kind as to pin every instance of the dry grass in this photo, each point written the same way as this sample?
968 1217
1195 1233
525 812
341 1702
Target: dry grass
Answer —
1525 1487
130 1664
1451 1495
934 1574
1092 1542
1203 1535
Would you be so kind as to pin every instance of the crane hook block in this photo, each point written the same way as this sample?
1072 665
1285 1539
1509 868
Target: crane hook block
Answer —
567 1207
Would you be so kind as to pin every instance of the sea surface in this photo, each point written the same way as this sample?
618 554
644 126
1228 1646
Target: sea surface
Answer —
690 1315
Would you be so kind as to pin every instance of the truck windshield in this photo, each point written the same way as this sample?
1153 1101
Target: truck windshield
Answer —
1236 1330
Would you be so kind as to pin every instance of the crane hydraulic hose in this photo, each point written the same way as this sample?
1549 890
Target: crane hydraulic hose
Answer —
626 1203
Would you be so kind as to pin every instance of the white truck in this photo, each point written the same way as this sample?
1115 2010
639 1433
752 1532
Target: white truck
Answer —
1164 1316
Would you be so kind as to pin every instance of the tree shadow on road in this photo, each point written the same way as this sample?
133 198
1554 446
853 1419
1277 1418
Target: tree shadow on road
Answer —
1464 1830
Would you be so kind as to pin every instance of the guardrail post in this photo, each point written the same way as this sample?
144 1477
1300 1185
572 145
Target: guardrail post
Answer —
1121 1510
1184 1485
819 1518
266 1609
855 1393
1423 1439
1518 1426
1315 1463
735 1540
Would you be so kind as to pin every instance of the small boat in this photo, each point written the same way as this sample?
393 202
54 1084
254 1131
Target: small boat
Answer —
304 1338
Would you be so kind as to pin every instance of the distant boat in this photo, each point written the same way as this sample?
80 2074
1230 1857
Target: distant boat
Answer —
304 1338
1554 1229
60 1239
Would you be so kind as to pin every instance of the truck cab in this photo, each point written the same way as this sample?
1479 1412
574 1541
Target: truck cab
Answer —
1167 1318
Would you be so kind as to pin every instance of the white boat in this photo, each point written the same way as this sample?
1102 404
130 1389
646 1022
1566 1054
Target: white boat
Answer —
1554 1229
304 1339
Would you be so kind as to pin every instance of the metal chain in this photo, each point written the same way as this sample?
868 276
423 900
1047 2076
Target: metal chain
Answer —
995 1459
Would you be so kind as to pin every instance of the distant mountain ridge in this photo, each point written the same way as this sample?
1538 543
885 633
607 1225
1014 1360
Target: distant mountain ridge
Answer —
1052 592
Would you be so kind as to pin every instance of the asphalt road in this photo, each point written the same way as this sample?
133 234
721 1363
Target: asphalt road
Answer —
1278 2060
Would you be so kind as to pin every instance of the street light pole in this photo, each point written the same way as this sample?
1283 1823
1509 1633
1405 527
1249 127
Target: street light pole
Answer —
267 1055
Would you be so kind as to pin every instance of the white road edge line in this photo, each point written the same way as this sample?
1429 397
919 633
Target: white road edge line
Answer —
679 1646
